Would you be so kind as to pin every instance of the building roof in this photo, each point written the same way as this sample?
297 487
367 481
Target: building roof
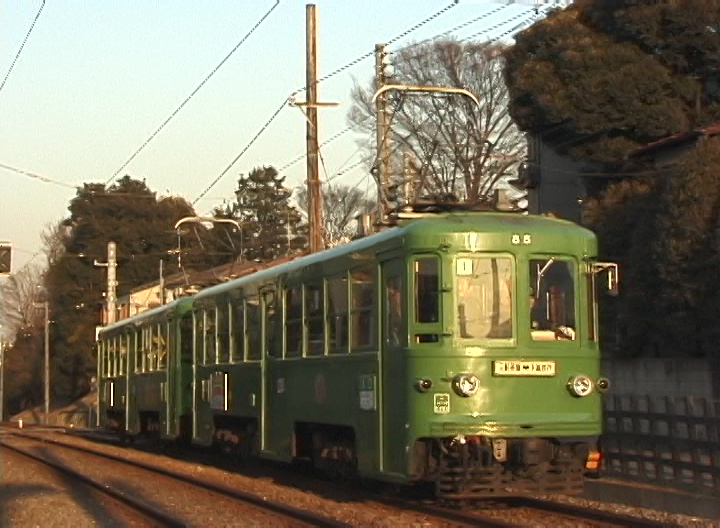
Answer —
675 140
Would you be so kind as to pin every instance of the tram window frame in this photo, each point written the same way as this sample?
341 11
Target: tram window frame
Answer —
199 336
186 339
427 298
111 357
489 304
237 333
254 320
122 354
549 306
222 333
314 318
363 307
162 348
209 335
593 312
272 322
294 331
338 314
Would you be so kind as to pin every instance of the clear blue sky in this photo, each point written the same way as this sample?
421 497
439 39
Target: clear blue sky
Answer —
96 79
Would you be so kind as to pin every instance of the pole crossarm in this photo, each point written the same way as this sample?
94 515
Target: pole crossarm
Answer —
436 89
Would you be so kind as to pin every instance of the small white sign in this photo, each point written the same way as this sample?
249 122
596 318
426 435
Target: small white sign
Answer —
441 403
524 368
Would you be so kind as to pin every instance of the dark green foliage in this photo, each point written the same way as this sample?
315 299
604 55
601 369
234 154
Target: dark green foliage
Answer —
663 230
270 226
602 77
141 225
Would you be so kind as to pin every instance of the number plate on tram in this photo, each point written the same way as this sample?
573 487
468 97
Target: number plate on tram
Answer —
523 368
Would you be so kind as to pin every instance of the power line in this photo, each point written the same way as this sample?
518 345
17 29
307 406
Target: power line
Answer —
22 46
29 174
328 76
243 151
196 90
391 41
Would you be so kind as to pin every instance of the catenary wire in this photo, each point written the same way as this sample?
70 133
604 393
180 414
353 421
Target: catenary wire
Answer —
17 55
324 78
196 90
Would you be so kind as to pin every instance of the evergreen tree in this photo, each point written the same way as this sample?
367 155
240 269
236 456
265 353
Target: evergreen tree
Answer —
141 225
270 227
602 77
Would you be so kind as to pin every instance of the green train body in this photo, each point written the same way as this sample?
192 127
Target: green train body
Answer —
457 349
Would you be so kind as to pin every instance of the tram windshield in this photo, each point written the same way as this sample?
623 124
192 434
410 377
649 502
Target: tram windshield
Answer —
484 297
552 299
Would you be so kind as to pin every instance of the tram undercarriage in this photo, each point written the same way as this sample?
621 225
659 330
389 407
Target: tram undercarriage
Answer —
467 467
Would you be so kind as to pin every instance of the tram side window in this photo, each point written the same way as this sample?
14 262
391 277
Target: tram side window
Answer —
137 350
293 322
363 330
314 315
122 354
394 311
237 325
111 357
161 345
186 337
223 329
484 297
145 340
552 299
254 326
210 337
199 321
273 340
337 315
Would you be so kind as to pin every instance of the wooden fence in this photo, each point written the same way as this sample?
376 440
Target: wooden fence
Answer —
668 441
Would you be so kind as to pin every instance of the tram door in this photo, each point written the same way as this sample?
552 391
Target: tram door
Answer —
272 387
393 344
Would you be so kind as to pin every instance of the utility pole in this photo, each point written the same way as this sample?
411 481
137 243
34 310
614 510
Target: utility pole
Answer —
47 361
315 210
382 140
111 265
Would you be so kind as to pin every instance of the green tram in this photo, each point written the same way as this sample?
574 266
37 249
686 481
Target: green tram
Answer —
145 372
456 349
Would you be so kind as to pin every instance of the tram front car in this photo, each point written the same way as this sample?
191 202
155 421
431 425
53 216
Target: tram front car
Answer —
501 357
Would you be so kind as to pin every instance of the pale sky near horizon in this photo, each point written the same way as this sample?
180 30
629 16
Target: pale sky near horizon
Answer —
96 79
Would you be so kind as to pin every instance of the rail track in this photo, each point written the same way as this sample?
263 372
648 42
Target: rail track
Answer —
497 513
213 497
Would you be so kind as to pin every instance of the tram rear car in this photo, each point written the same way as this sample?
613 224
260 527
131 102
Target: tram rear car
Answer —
145 373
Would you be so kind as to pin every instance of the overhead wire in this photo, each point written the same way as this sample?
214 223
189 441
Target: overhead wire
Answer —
17 55
35 176
324 78
195 91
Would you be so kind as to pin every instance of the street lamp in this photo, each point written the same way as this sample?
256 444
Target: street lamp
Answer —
202 219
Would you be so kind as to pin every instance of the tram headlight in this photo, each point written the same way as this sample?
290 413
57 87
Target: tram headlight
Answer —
580 385
466 384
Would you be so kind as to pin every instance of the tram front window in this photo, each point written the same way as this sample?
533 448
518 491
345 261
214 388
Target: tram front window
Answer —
552 299
484 301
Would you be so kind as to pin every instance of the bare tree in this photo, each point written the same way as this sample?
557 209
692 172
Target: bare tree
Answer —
341 206
456 147
19 292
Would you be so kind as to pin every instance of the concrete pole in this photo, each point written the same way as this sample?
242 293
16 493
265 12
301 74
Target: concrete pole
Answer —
47 362
112 282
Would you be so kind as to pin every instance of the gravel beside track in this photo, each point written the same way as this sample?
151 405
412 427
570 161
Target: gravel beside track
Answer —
354 507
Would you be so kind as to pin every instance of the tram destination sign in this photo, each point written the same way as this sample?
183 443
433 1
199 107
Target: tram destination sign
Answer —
523 368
